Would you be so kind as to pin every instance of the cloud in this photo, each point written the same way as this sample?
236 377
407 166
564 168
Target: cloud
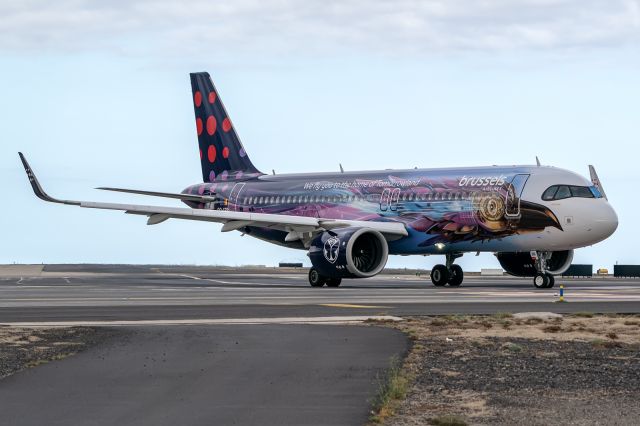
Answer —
163 27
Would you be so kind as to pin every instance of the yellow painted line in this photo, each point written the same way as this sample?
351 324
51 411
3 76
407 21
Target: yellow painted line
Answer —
344 305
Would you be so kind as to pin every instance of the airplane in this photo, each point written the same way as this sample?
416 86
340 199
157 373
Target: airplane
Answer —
531 217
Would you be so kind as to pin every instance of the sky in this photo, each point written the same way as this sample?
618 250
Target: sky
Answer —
97 94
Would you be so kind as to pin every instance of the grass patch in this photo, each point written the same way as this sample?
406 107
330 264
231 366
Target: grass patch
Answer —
37 362
503 315
512 347
392 389
552 328
448 420
583 314
605 344
506 324
612 335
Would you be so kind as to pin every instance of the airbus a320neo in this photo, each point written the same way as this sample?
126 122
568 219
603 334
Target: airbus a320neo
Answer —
531 217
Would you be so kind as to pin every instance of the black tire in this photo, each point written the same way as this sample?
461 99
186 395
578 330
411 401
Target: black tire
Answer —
541 281
315 279
334 282
439 275
456 276
552 281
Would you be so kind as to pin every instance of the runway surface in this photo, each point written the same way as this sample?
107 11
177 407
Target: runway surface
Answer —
111 293
209 375
228 369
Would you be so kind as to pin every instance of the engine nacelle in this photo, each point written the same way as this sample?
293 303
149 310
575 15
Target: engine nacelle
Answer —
521 264
349 253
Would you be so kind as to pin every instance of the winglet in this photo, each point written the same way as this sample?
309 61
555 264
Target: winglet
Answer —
596 181
537 161
33 180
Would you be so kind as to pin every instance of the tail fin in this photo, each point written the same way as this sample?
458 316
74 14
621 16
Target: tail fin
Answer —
222 156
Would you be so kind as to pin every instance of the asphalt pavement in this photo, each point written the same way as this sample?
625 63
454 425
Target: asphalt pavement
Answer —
114 292
209 375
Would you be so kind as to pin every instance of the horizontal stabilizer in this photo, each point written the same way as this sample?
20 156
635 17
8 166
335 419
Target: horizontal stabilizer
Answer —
184 197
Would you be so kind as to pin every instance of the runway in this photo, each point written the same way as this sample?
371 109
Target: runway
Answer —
127 293
236 346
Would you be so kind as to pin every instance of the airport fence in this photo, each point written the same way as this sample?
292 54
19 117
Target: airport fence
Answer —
626 271
578 270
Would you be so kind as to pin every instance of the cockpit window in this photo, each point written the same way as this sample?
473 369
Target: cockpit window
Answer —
560 192
581 191
550 193
563 192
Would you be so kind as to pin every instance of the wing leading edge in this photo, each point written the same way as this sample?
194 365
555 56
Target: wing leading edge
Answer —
294 225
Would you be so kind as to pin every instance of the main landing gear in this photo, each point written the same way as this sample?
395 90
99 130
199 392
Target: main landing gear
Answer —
317 280
542 279
448 274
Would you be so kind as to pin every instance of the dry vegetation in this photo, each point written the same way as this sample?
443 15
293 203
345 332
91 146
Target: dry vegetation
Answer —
500 369
22 348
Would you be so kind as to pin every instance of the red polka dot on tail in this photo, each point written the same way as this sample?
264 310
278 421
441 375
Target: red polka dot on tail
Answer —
211 153
211 125
212 97
225 152
226 124
199 125
197 98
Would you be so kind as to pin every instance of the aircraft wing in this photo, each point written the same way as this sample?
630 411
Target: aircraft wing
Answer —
231 220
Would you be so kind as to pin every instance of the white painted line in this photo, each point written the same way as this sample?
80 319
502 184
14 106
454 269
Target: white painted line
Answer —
217 321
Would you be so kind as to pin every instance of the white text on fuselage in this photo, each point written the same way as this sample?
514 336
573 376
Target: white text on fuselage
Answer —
376 183
482 181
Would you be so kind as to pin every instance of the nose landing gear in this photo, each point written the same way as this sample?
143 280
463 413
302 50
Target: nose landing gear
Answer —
448 274
543 278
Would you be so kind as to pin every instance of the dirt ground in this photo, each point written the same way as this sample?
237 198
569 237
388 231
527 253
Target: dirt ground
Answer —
573 370
22 348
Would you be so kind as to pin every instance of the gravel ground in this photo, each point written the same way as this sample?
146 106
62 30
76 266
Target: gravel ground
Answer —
497 370
22 348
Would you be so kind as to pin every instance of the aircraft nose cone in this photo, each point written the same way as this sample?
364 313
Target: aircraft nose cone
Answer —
606 221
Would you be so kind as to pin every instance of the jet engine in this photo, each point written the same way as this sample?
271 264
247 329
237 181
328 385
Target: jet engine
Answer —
349 253
522 265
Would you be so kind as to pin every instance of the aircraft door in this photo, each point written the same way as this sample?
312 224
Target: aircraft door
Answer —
234 197
514 191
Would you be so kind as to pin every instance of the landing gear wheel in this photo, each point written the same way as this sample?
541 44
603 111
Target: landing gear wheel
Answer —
439 275
334 282
456 276
315 279
541 281
552 281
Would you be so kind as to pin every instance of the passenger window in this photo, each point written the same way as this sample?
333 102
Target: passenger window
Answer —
563 192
